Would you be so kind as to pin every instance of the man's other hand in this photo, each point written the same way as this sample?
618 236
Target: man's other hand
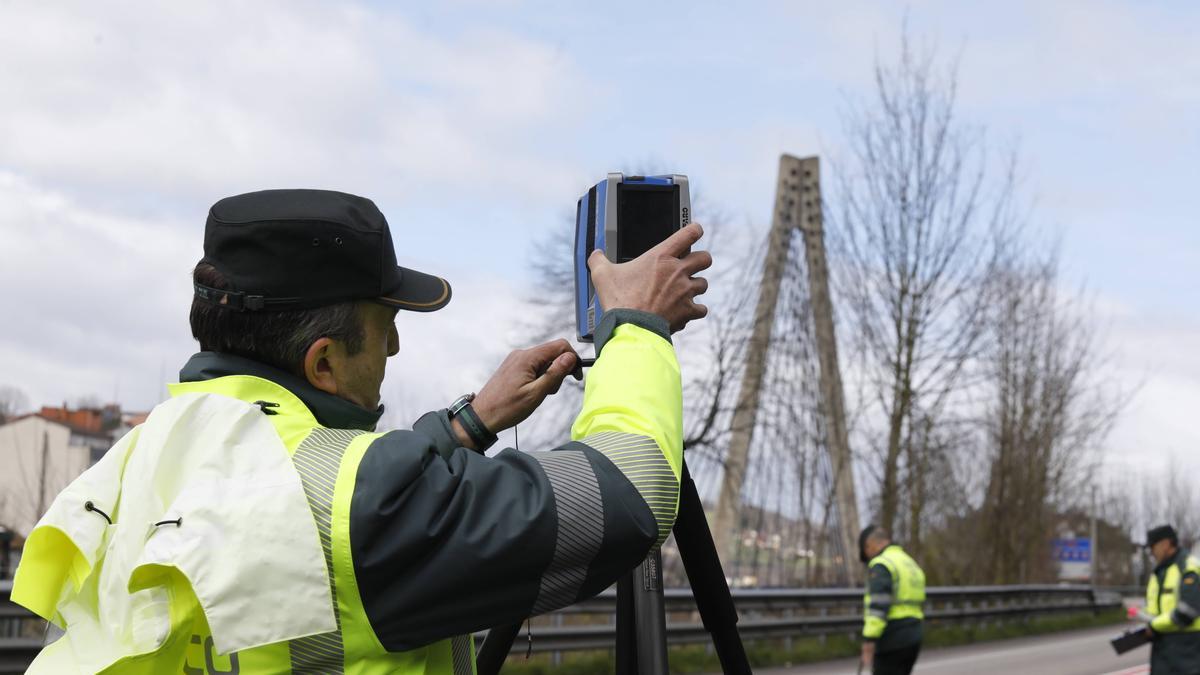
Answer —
867 659
521 383
660 281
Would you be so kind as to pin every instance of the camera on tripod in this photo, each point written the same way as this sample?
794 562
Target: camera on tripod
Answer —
624 216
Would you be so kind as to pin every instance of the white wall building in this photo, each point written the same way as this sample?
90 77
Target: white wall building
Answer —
38 458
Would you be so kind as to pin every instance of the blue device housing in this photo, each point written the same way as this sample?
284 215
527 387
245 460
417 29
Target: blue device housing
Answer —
624 216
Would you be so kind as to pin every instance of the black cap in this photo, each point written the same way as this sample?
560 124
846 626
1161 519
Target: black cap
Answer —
1157 534
298 249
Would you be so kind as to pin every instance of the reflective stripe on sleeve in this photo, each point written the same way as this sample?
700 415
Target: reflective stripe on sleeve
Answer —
317 460
461 651
580 514
643 463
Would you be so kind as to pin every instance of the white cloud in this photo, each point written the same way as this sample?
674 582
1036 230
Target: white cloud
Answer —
97 302
93 301
1139 58
195 100
1154 359
122 124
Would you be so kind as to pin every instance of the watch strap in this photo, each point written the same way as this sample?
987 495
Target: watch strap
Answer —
475 428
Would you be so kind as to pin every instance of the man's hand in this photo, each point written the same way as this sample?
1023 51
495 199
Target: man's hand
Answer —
868 657
659 281
520 385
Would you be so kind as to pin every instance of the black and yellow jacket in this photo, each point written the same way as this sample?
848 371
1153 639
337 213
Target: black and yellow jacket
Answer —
424 542
894 602
1173 599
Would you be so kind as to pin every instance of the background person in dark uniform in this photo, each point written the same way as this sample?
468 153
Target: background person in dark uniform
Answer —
1173 599
893 613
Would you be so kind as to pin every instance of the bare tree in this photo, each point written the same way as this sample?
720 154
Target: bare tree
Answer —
1047 412
1177 505
1159 496
551 315
916 223
26 494
13 402
30 467
89 402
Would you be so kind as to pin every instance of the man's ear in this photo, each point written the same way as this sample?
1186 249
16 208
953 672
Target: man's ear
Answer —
318 366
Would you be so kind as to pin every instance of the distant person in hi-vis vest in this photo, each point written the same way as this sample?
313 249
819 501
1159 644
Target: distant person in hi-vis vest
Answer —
258 523
893 612
1173 599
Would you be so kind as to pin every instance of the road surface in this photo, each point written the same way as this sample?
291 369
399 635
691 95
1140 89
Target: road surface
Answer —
1083 652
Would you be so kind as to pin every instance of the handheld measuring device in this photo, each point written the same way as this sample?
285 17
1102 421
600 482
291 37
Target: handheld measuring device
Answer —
624 216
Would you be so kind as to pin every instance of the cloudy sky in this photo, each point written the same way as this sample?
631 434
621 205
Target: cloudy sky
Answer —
475 126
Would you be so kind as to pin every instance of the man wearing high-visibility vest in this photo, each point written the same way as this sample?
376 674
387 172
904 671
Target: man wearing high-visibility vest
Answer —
257 522
1173 599
893 614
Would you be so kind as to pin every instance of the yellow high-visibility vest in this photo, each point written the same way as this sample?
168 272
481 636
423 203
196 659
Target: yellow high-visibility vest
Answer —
215 537
1161 601
242 584
908 592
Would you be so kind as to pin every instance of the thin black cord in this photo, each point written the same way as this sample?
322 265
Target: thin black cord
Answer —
89 506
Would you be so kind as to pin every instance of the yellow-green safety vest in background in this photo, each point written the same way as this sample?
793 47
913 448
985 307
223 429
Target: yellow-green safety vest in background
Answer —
1161 602
908 592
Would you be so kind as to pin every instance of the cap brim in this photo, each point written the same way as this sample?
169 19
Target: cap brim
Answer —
418 292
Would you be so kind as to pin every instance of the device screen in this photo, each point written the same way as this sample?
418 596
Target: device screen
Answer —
646 215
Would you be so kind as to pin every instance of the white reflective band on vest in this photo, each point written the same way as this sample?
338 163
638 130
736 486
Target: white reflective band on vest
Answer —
247 543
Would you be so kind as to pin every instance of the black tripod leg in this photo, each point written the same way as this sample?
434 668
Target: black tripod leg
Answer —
495 649
626 635
707 579
650 615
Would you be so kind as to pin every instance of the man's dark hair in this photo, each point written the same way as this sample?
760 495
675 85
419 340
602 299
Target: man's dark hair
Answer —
276 338
869 533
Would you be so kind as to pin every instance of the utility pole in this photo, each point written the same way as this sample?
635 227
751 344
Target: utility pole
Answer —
832 401
1093 569
41 499
797 206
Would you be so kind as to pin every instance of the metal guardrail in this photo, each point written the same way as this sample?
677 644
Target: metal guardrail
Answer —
788 613
765 614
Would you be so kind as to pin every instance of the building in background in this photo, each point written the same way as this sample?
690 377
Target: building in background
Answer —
42 452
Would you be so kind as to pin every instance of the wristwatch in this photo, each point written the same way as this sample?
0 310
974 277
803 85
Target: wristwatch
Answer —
480 435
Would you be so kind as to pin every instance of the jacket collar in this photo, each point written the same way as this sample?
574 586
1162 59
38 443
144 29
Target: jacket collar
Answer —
330 411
